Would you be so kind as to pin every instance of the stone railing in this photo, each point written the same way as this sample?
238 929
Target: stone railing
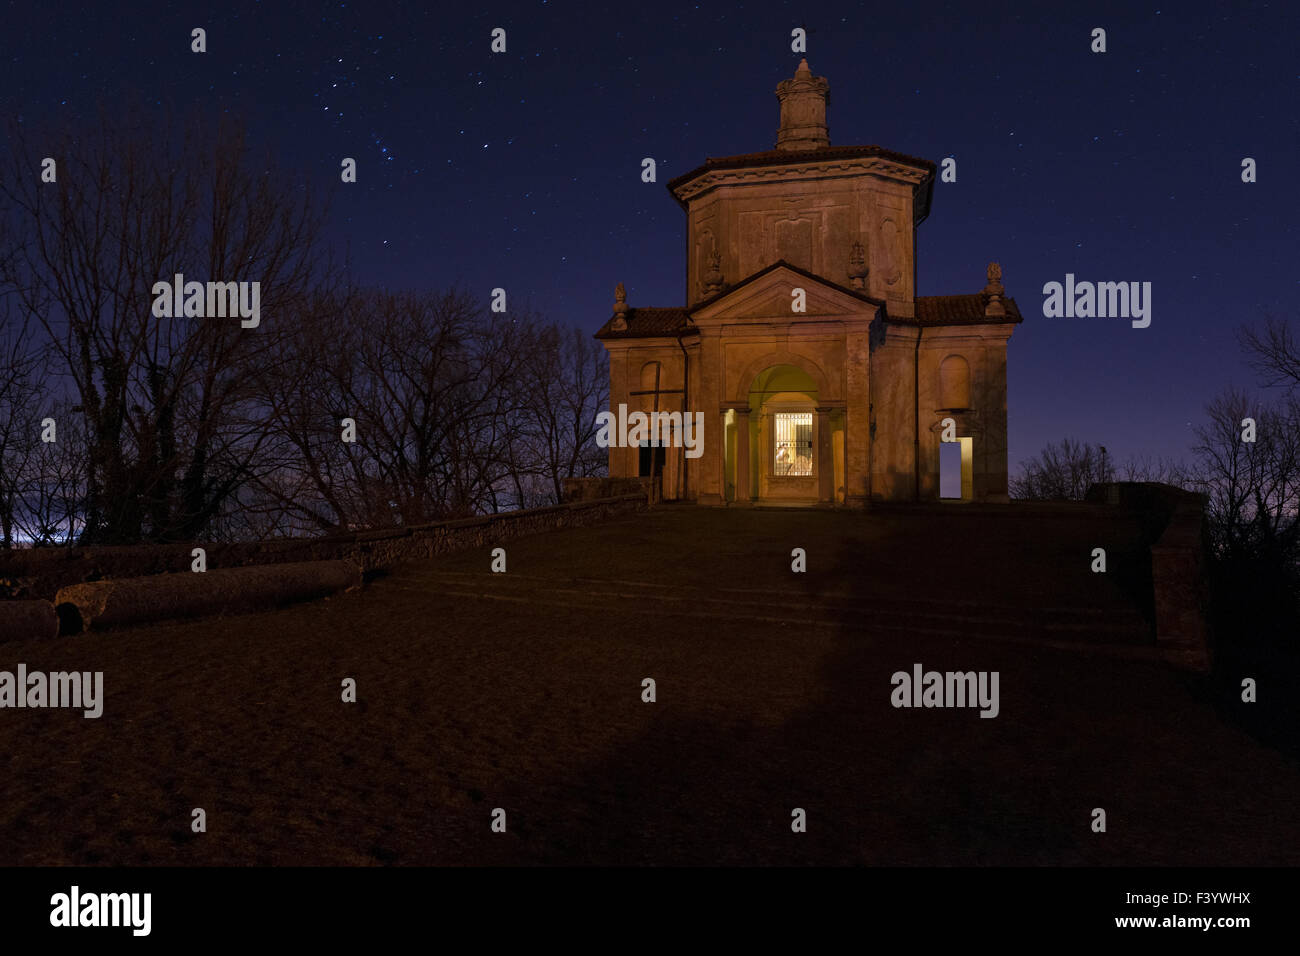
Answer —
381 548
41 572
593 489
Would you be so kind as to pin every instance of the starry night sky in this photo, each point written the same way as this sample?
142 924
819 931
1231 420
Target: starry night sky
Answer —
522 169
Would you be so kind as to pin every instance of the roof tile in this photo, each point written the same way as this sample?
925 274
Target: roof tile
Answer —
648 322
962 310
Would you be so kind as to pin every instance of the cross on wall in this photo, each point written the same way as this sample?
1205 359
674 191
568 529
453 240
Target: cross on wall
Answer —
656 392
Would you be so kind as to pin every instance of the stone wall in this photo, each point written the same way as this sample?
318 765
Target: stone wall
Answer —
380 549
1173 522
596 489
1155 502
41 572
124 601
1178 566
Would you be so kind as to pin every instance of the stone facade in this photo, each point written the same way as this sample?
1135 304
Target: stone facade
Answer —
840 402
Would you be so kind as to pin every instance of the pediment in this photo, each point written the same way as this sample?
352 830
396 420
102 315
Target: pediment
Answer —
769 295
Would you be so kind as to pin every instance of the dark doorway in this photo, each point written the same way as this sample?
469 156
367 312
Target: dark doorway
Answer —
659 453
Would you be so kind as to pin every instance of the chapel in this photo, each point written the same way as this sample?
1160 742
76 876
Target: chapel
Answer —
821 376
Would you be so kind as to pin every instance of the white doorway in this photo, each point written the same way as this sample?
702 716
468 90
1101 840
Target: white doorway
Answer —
957 470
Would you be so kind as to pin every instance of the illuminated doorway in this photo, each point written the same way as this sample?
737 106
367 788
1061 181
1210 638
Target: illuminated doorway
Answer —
956 470
783 402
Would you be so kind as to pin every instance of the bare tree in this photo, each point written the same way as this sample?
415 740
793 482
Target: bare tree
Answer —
1252 486
1273 351
434 385
1062 472
52 484
567 385
194 425
22 392
169 404
1160 470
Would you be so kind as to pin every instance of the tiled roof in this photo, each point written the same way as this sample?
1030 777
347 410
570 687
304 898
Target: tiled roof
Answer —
648 322
778 157
960 310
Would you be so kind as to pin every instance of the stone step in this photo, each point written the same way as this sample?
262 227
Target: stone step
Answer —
1114 605
1121 625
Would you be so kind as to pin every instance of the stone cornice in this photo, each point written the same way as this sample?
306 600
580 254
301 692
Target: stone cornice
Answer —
935 334
802 169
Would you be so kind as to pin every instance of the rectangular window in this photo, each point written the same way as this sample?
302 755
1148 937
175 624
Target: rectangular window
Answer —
793 444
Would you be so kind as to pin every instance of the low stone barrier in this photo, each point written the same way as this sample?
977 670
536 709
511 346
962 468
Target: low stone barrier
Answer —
274 573
106 604
1173 522
27 620
1179 573
377 549
43 571
594 489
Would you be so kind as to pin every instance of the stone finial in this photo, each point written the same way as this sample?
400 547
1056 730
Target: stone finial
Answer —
994 291
803 110
858 266
620 309
995 278
713 279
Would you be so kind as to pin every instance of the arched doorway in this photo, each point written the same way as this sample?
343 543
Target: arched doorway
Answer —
783 445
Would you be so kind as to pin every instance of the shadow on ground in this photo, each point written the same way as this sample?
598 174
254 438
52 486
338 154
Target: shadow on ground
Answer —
524 691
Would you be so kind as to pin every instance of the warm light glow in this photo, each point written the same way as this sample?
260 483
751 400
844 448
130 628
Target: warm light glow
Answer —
957 470
792 444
